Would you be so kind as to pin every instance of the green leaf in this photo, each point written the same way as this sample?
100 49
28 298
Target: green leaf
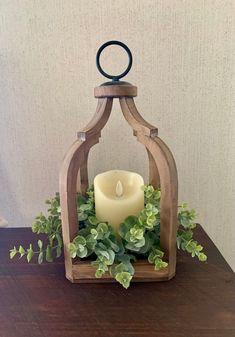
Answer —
132 247
91 242
202 257
40 244
82 253
58 251
79 240
72 249
22 251
150 220
155 255
59 240
149 207
93 220
13 252
124 266
124 278
131 220
40 258
85 207
103 253
111 257
117 268
30 255
123 229
159 264
81 199
82 216
80 247
101 245
99 273
35 227
84 231
113 245
102 228
49 257
178 241
149 241
136 233
94 233
199 248
140 243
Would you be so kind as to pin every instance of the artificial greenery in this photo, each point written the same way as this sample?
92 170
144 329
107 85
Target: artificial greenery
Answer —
139 237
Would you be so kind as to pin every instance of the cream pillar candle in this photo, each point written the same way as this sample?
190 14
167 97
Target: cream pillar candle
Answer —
118 194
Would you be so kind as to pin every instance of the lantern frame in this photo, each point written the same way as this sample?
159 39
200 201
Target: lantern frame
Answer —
162 173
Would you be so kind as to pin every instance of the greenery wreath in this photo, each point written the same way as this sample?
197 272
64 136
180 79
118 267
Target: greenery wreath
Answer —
97 241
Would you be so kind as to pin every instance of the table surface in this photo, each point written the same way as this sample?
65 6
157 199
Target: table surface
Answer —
37 301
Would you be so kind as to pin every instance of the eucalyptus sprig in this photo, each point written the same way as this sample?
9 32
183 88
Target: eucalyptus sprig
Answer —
49 225
139 237
185 241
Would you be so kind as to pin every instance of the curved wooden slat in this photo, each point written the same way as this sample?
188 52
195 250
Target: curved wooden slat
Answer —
68 191
82 178
75 160
133 117
99 119
140 125
161 165
169 195
154 178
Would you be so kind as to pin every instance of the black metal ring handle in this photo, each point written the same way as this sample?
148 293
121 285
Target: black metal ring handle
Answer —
109 43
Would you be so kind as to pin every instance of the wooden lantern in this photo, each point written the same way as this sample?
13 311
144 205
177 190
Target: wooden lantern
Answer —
162 172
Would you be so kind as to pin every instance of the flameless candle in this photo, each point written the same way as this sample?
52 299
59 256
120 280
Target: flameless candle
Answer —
118 194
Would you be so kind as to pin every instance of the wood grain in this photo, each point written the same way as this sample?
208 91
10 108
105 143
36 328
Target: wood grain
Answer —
74 175
38 301
144 272
115 91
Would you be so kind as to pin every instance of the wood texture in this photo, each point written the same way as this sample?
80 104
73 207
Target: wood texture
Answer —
161 163
154 178
162 170
74 175
136 121
38 301
144 272
115 91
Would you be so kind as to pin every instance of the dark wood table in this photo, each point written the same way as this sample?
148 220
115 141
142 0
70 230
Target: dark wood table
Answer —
37 301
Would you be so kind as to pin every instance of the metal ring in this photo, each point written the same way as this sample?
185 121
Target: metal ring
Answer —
114 77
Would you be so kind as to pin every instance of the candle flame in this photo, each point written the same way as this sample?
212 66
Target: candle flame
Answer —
119 189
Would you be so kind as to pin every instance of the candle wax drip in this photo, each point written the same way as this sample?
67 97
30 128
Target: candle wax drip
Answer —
119 189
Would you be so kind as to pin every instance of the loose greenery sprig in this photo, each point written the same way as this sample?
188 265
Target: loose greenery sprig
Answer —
139 237
51 226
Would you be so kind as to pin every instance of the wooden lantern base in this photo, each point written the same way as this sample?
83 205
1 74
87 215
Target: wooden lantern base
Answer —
84 272
162 172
